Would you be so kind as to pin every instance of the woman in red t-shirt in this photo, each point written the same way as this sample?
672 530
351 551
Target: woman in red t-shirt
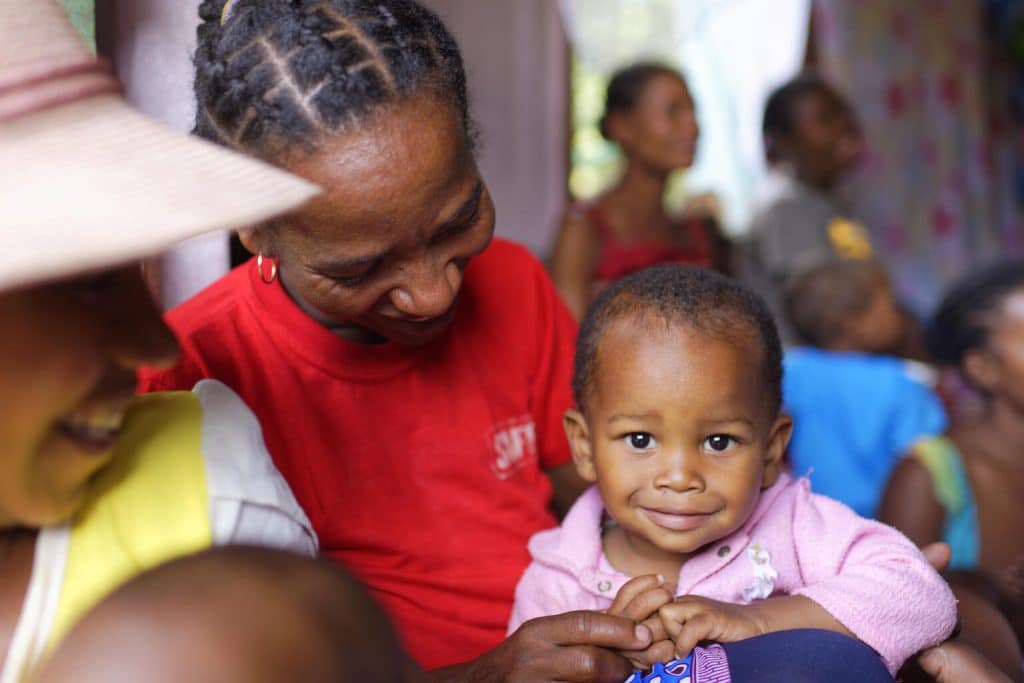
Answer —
649 114
410 374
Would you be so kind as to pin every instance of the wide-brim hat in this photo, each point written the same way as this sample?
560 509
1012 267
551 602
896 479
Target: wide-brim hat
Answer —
87 182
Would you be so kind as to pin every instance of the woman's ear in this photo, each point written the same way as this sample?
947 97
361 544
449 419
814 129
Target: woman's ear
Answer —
778 439
256 241
579 442
617 128
980 369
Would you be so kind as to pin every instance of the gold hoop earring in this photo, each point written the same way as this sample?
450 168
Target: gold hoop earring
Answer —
273 270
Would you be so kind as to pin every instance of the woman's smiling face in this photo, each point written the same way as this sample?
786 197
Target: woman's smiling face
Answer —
68 356
380 256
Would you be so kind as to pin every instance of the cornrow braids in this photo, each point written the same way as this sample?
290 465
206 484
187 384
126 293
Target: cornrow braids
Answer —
697 298
965 316
280 72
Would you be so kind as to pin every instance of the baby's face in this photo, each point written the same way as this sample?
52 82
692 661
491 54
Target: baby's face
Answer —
677 434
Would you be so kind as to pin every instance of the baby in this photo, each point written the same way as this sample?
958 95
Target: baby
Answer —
677 380
235 614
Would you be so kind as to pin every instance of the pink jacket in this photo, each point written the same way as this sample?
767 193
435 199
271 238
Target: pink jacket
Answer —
867 575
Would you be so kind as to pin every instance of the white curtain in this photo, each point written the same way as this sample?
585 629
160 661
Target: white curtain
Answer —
733 53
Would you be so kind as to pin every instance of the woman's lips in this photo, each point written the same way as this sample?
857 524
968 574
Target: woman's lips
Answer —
677 521
94 432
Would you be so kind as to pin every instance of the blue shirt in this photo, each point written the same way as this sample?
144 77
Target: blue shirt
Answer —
854 416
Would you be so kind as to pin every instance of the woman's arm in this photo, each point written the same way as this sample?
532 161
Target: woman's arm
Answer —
910 505
573 260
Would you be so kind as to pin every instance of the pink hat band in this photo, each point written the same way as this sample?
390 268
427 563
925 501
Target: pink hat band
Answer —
43 85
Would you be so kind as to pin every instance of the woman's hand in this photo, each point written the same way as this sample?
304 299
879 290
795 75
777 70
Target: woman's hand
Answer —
570 647
640 599
691 619
953 662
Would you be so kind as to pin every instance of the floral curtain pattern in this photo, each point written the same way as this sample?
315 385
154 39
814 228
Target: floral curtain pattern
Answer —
939 183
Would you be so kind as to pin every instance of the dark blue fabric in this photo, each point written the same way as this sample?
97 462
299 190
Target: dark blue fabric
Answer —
804 655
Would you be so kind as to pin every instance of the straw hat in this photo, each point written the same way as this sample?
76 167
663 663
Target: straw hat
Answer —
85 181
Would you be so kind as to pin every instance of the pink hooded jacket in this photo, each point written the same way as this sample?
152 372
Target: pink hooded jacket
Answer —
865 574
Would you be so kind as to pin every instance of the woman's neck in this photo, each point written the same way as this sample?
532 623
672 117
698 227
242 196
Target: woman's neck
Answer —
999 435
17 554
640 191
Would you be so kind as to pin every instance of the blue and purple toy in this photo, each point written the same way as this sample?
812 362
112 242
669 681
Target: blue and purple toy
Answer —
675 671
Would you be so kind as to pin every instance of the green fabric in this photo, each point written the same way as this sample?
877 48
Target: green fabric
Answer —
952 488
83 16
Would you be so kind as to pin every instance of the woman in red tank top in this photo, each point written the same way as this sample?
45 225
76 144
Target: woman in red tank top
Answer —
650 115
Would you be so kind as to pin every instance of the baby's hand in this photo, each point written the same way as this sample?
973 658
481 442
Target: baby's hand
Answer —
640 599
691 619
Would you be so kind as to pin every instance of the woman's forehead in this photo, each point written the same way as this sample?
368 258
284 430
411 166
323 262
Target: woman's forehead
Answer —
405 167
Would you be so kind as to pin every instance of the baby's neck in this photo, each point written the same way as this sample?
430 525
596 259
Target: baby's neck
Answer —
634 557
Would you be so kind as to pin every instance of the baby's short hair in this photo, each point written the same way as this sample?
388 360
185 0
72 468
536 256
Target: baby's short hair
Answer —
703 300
819 298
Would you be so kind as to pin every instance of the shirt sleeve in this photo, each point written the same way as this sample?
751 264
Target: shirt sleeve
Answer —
551 385
916 413
250 502
871 579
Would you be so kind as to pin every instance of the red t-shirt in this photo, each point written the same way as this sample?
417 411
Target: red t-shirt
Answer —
420 469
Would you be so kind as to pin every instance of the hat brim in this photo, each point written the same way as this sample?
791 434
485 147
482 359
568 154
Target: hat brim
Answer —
95 184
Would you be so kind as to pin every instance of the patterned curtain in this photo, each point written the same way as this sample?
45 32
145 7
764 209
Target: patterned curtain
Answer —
932 83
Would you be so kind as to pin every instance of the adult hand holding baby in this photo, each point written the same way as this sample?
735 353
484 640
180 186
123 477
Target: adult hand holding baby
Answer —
640 599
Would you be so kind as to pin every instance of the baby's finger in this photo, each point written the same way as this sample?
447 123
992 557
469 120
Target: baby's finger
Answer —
697 628
644 660
646 604
633 589
656 627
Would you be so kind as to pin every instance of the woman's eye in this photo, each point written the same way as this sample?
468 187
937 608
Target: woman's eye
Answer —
640 441
719 443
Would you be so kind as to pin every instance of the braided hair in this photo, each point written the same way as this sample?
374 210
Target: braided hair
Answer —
965 316
274 73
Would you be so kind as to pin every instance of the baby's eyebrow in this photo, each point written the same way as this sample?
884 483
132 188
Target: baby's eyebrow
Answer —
731 420
638 416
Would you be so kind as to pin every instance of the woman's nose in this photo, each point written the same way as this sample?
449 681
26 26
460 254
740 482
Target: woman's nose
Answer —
136 334
428 291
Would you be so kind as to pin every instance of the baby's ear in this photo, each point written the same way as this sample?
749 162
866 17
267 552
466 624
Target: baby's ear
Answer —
579 442
778 439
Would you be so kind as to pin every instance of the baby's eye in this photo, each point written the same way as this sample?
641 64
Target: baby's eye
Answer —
640 441
719 443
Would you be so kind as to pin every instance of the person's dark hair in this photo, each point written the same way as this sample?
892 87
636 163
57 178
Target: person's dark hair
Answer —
965 316
626 87
280 72
780 109
820 298
700 299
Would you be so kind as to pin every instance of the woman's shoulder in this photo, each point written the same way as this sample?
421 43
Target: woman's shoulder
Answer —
508 271
215 303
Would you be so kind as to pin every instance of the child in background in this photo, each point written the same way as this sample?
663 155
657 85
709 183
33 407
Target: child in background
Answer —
678 382
855 408
963 487
812 142
235 614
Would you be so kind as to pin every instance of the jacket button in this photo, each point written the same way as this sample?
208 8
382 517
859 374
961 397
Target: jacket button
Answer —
724 550
604 586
